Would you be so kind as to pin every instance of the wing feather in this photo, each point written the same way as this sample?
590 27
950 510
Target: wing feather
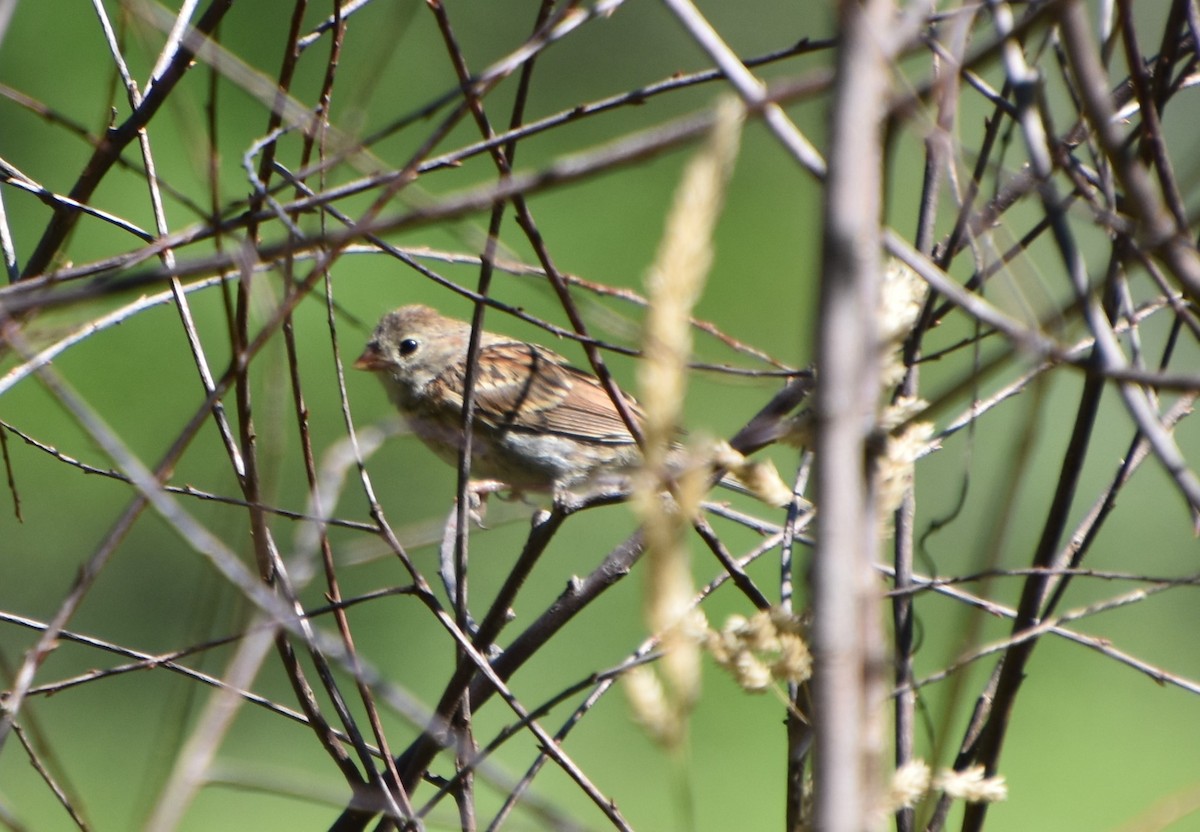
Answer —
527 388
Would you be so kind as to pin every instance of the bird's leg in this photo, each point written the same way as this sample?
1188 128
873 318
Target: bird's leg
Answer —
478 492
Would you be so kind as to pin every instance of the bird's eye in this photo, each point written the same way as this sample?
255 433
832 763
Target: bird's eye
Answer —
408 346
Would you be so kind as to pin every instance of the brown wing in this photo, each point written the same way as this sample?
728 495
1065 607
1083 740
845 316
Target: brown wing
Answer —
528 388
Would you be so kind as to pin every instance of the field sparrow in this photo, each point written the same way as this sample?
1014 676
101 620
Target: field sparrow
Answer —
539 425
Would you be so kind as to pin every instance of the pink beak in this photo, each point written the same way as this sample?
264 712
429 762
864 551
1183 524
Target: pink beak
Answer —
371 359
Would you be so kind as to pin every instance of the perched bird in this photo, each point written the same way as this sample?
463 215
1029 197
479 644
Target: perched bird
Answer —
539 425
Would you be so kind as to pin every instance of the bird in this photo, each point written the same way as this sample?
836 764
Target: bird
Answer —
540 424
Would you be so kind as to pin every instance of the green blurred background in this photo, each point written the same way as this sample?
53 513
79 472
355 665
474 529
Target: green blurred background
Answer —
1094 745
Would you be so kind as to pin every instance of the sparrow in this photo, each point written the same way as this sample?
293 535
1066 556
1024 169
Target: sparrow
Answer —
540 425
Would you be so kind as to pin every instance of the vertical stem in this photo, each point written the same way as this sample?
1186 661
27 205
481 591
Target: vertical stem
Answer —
846 602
